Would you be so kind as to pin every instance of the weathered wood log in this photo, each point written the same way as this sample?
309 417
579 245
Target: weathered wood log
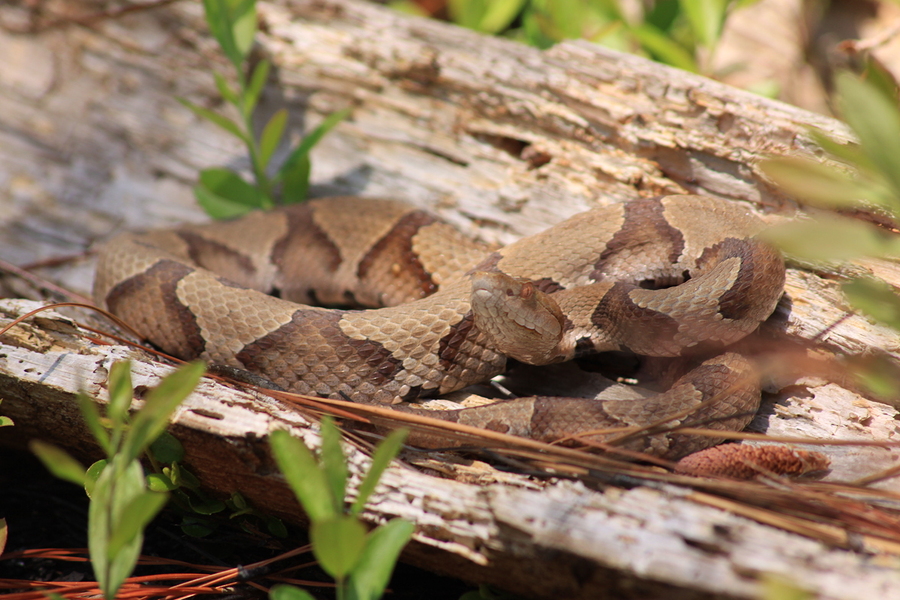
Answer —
502 140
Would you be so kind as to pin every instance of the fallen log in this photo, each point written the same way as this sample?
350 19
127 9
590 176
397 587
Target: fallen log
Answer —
499 138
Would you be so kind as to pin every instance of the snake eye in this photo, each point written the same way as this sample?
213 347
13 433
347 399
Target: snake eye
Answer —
527 291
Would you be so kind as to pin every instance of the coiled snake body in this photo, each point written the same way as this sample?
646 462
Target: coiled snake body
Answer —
454 312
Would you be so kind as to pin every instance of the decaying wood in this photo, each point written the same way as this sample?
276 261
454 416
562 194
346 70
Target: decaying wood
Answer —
555 540
502 140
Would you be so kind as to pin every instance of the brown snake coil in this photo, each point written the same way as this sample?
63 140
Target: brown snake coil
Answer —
584 285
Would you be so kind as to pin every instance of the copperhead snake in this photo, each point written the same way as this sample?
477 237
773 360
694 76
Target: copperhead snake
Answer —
661 277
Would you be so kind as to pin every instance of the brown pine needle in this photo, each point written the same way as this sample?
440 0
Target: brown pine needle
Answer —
218 581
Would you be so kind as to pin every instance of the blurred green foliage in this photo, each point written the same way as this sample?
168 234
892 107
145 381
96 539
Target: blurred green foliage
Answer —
862 179
681 33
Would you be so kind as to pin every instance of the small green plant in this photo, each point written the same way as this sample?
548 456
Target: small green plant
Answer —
122 500
864 177
196 507
360 561
221 192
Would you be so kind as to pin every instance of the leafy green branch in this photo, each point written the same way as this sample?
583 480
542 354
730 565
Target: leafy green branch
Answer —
224 193
863 178
122 501
360 561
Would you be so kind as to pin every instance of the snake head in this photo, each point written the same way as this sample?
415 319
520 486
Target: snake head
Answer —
520 321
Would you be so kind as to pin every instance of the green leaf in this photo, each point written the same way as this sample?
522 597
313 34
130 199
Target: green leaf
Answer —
374 567
113 491
238 501
217 119
303 474
332 460
271 136
820 184
663 14
6 421
283 591
161 401
218 207
499 14
466 13
225 90
767 88
295 183
166 448
120 392
159 482
92 419
218 20
58 462
876 120
254 88
92 474
185 478
294 172
135 517
408 7
663 48
276 527
312 139
244 25
706 18
533 32
850 153
337 542
197 527
223 194
879 76
875 298
780 587
831 239
880 374
233 24
384 453
206 506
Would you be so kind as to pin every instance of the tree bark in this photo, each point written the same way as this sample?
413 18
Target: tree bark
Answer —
500 139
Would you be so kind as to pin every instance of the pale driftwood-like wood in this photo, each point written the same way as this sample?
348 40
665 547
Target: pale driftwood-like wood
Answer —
499 138
559 540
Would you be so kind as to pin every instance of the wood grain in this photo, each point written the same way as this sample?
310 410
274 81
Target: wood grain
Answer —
502 140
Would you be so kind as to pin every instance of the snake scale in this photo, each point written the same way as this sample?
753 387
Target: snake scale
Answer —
668 276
